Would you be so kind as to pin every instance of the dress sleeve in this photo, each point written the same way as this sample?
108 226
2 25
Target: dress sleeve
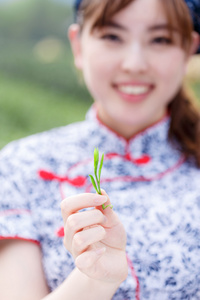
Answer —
16 218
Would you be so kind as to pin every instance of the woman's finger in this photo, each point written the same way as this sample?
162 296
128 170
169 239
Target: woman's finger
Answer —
73 204
108 211
78 221
83 239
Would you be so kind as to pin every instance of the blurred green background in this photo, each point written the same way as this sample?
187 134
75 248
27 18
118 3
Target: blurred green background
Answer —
39 87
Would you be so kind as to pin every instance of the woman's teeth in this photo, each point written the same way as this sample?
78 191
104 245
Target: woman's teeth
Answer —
133 90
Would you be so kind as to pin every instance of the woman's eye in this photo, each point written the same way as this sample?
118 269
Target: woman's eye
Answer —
111 37
162 40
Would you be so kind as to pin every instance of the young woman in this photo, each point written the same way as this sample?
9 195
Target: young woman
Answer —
133 55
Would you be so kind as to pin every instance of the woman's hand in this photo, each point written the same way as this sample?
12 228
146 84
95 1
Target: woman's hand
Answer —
96 238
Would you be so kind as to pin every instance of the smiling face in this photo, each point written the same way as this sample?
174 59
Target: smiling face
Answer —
132 66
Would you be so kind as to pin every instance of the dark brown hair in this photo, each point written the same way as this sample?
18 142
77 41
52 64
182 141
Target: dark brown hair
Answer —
185 116
101 11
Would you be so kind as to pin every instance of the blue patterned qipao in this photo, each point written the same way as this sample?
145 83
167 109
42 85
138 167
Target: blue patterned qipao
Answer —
155 192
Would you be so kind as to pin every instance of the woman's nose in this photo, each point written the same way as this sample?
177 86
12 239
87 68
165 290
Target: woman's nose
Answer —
135 60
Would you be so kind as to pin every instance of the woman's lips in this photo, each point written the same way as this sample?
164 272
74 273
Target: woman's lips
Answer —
134 92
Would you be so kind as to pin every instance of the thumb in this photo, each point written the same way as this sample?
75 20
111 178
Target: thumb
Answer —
107 210
108 202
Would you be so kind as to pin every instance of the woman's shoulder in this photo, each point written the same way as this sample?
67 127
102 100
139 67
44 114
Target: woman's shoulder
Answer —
49 138
49 145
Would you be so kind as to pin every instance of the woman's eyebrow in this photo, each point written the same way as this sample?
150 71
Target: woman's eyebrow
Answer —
161 27
156 27
115 25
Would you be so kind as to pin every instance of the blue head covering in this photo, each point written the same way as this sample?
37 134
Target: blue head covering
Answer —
76 5
193 5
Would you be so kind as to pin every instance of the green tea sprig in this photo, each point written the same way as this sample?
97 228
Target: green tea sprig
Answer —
97 174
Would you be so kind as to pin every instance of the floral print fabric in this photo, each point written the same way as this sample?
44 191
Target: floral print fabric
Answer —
155 192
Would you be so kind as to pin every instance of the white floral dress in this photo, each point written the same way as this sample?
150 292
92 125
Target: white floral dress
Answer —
155 192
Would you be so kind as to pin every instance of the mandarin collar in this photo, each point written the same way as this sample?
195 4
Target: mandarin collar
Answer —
149 148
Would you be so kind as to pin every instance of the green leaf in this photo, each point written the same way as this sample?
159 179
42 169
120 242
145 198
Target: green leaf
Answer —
96 161
94 183
101 165
98 180
104 207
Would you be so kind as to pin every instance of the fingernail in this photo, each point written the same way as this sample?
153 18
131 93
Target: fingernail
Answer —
100 199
